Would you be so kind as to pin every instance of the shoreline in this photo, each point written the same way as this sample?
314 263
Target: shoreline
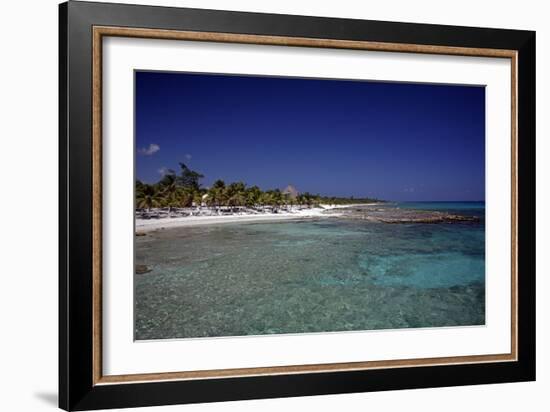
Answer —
148 225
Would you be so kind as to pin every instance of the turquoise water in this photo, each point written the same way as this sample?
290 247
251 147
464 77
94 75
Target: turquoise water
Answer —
311 276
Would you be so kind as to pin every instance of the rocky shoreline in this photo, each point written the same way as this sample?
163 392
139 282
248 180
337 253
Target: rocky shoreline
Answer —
401 216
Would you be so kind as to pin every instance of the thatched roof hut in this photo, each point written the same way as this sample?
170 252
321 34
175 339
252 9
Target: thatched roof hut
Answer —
291 191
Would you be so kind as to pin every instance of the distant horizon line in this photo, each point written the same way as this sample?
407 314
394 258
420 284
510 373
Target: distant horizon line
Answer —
438 201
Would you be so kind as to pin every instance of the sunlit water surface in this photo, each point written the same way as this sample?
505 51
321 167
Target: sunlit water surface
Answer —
311 276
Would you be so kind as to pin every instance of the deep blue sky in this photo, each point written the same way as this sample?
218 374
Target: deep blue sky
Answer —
393 141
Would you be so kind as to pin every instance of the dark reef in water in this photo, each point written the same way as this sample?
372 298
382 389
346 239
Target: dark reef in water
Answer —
396 215
142 269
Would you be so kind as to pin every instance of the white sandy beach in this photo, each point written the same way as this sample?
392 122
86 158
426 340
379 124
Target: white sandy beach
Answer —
147 225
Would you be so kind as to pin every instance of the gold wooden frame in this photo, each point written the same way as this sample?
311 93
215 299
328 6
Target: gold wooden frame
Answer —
101 31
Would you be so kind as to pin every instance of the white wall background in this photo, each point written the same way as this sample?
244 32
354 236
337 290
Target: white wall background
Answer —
28 203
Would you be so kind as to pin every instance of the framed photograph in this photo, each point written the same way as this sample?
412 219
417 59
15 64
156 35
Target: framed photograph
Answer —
257 205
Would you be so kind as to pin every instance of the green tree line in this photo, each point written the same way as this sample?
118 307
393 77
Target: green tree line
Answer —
184 189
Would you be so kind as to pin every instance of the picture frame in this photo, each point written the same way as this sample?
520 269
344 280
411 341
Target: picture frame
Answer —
82 28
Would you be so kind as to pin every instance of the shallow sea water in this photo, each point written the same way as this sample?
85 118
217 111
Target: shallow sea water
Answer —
310 276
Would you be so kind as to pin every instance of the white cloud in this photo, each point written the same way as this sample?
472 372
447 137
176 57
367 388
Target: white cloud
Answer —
148 151
163 170
409 190
188 156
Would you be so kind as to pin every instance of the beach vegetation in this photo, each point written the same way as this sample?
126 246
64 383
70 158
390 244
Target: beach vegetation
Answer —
184 190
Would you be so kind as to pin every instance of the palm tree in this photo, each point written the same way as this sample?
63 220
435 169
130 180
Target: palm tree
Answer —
235 194
238 199
189 178
285 199
217 195
253 196
265 199
307 198
218 184
197 198
236 187
290 200
276 198
184 197
210 198
317 200
139 186
148 197
170 191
